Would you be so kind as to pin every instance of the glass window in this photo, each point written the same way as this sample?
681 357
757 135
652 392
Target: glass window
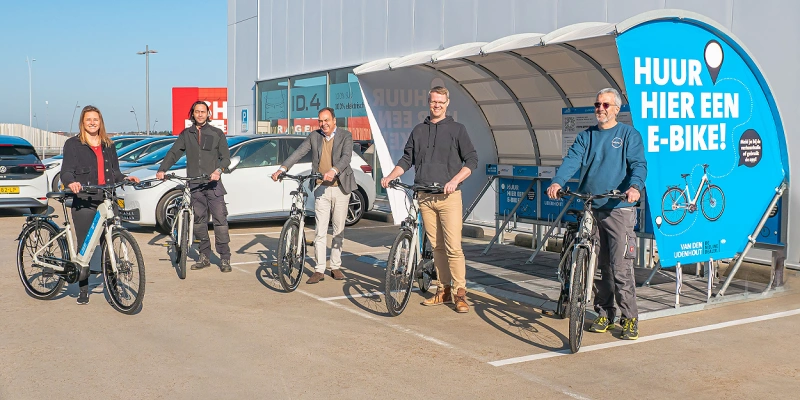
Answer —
158 146
291 146
309 95
132 156
273 106
259 153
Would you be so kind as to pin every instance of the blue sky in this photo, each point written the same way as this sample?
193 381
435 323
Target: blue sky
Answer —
85 52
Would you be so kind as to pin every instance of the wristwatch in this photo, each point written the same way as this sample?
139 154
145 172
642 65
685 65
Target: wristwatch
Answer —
635 186
218 170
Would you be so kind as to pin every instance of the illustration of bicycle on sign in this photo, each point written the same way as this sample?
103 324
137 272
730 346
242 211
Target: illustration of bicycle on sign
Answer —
676 201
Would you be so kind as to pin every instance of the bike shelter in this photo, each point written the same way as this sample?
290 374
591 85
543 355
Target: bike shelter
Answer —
712 134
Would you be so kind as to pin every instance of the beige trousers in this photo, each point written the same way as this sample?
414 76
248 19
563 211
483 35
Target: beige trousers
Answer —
441 215
329 201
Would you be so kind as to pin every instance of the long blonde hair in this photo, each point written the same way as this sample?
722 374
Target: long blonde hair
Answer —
83 134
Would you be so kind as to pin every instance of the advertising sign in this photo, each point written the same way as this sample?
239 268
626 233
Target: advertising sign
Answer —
184 97
713 139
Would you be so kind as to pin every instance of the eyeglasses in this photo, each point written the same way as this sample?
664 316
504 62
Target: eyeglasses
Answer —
605 105
437 103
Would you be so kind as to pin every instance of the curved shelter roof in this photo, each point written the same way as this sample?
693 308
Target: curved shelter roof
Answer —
521 82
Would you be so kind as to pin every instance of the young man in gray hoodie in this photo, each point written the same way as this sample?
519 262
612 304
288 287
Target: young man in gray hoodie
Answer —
441 152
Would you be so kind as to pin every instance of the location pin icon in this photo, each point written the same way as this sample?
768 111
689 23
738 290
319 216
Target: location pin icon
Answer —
659 220
713 56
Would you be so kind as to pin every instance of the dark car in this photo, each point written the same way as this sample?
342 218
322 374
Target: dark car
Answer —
23 182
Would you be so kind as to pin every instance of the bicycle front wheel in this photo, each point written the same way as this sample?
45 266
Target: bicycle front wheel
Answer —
577 300
40 282
291 259
399 278
125 287
182 249
673 206
712 203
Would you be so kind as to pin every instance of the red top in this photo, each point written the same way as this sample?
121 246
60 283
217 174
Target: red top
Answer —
98 153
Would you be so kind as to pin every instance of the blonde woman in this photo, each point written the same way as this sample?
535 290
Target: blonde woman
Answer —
89 159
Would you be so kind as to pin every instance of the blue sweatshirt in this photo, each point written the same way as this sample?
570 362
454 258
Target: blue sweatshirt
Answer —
608 159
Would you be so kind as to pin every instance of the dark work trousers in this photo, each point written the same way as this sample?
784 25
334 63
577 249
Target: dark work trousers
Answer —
210 198
615 261
83 212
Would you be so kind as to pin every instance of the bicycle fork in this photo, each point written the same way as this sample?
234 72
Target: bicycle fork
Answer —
590 270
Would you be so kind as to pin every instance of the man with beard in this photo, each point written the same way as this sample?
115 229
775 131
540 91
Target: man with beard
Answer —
610 156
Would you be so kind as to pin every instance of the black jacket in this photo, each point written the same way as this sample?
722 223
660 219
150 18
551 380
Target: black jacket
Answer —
203 155
80 165
438 151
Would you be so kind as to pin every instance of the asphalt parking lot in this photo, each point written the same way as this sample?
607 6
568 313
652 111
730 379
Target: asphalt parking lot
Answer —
238 335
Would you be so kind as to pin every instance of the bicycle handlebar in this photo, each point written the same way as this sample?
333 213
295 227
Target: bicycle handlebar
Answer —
614 194
146 183
433 189
300 178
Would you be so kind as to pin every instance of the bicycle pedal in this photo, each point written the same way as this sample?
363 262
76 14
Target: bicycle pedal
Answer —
274 263
47 272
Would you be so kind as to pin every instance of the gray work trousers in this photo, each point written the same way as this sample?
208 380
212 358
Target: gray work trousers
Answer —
209 198
615 262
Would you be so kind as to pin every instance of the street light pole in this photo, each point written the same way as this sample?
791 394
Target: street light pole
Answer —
30 88
147 53
138 131
73 117
47 115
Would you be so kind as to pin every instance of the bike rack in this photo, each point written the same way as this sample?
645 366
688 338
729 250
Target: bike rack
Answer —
478 199
508 218
553 226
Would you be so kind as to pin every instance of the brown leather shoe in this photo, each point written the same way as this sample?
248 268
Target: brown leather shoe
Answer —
461 301
316 277
442 296
337 274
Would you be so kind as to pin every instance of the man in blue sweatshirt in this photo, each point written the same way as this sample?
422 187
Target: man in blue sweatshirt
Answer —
610 156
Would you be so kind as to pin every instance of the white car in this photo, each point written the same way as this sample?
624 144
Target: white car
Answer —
132 147
252 195
23 182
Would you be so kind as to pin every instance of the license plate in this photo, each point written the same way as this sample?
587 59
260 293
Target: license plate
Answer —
9 189
121 203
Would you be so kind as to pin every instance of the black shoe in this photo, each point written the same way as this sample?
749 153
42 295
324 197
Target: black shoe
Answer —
202 262
225 265
630 328
83 297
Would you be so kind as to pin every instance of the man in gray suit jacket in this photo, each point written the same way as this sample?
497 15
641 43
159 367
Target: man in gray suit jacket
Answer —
331 150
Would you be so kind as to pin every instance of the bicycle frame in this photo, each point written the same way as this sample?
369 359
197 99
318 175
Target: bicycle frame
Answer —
686 191
82 258
415 226
186 207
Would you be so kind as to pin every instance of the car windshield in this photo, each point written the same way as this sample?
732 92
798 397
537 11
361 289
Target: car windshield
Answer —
181 163
155 156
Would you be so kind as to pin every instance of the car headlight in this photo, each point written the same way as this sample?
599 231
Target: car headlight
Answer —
52 165
146 185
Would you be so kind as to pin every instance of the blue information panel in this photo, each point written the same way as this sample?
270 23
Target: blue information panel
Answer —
713 138
510 190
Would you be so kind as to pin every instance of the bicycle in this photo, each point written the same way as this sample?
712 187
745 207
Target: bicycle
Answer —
578 263
47 256
675 201
410 245
292 244
182 226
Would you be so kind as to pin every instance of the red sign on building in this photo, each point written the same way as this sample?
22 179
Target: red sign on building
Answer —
184 97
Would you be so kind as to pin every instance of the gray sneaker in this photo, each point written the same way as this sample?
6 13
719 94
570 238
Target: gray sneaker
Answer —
225 265
202 262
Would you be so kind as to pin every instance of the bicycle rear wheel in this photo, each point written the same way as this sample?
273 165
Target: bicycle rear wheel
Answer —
126 286
182 248
673 206
291 259
398 277
39 282
577 300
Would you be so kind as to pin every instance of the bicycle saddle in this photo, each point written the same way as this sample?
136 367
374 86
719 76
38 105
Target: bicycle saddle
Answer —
684 175
59 195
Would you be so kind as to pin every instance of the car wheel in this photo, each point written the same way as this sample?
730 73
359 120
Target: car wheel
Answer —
166 209
56 184
356 208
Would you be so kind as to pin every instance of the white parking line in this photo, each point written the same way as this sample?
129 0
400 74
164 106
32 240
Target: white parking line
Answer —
542 356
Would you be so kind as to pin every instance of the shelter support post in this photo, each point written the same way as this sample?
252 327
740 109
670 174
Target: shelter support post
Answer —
678 284
553 226
508 218
480 196
751 240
